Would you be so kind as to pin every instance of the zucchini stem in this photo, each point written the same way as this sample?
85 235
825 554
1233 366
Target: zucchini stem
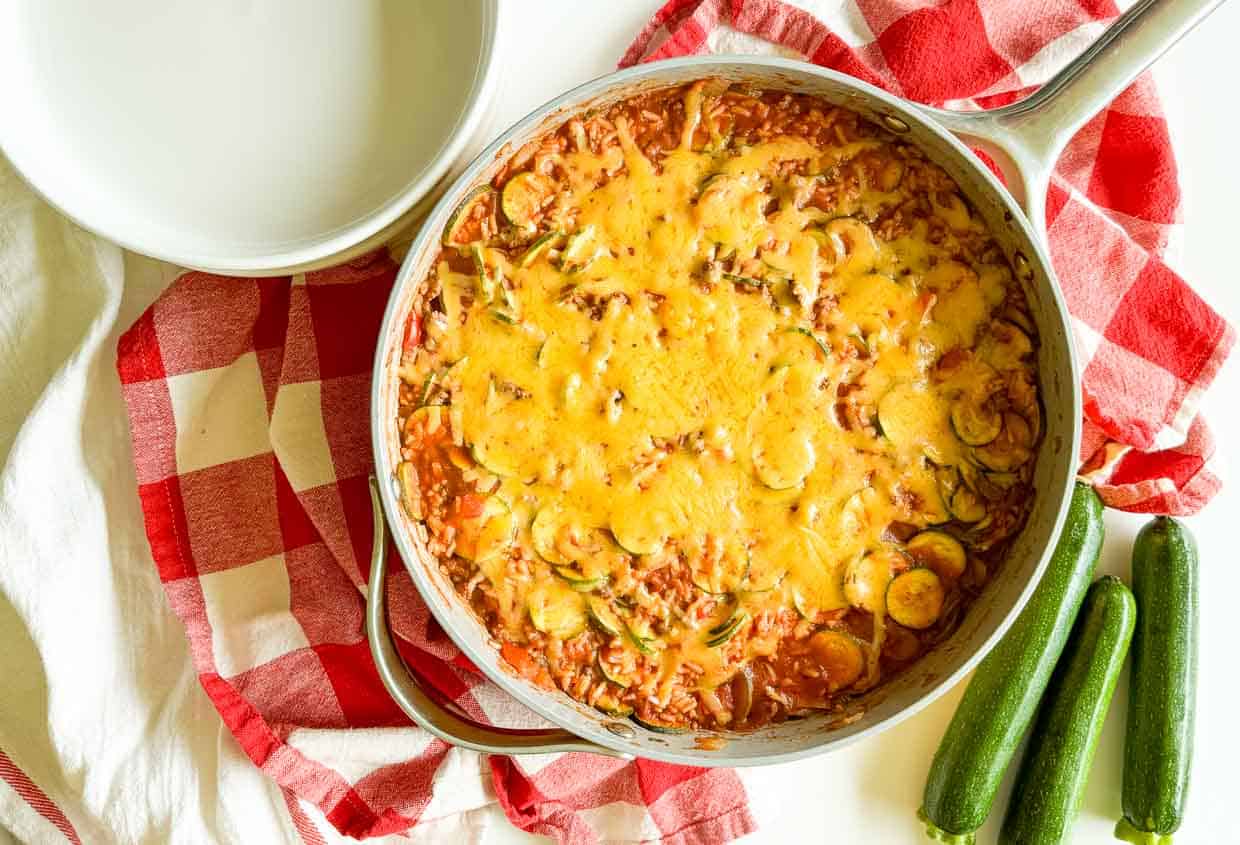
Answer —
933 831
1127 832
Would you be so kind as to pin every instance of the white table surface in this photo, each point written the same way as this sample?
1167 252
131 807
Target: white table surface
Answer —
869 792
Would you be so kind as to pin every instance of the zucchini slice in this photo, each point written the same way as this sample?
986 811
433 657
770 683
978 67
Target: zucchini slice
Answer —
911 415
915 598
488 279
1007 345
822 345
640 639
966 505
488 535
580 249
612 706
784 463
410 493
536 249
492 462
638 530
612 675
720 634
579 581
604 616
976 422
432 418
742 694
544 532
500 315
866 580
747 281
1013 446
840 655
659 727
464 212
556 610
523 198
938 551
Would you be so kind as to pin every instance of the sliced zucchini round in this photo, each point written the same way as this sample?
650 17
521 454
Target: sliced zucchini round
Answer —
536 249
1013 446
556 610
579 581
491 461
613 675
747 281
938 551
806 606
1008 346
915 598
581 248
488 277
604 616
727 629
853 242
544 532
523 197
912 415
659 727
642 640
410 492
783 462
638 530
612 706
432 419
488 535
866 580
742 694
762 579
976 422
498 530
822 345
859 510
966 505
464 212
840 655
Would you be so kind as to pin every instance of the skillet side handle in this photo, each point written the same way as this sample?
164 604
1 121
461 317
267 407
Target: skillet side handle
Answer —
403 685
1025 138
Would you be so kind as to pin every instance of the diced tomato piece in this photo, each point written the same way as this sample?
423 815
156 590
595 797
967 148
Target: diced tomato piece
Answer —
470 505
520 659
413 333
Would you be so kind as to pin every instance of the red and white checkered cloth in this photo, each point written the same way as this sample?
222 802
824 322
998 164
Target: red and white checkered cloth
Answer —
248 406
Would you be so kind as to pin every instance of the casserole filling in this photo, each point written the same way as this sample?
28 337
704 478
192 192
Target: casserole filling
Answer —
718 406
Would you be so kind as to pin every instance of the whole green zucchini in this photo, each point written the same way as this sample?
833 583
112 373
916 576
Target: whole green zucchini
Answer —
1004 692
1158 747
1051 780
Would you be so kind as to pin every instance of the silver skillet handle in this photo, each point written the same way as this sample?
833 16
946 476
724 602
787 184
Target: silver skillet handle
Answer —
421 707
1026 137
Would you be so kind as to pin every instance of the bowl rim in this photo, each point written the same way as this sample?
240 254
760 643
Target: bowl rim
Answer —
320 250
540 702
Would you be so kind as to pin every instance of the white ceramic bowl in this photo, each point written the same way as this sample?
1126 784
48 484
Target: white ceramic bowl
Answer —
239 136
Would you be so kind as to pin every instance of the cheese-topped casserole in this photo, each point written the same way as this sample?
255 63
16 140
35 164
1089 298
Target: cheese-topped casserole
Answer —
718 406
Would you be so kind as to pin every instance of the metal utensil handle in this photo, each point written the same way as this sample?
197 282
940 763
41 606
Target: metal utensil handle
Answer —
1026 137
418 705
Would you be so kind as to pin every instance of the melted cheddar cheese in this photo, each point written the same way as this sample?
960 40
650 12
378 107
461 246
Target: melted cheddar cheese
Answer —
695 366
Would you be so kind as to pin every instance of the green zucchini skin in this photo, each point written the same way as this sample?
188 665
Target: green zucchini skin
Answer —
1051 781
1003 695
1158 745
